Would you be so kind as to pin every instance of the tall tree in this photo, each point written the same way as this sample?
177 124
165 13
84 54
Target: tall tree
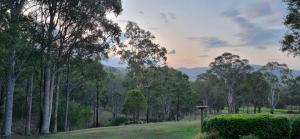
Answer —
67 29
135 103
277 75
208 90
141 52
256 89
16 39
231 69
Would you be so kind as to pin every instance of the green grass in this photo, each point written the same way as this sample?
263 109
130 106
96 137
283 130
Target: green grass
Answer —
165 130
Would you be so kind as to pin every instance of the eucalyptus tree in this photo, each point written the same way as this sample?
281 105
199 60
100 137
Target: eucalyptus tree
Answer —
290 42
16 48
135 103
257 89
141 52
231 69
277 75
94 71
168 96
70 29
294 91
208 90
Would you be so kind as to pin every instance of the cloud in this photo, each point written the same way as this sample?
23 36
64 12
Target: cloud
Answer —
141 12
172 52
209 41
203 56
172 15
261 9
252 34
164 17
231 13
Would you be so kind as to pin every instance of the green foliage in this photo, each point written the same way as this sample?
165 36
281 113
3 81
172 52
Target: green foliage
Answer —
135 103
80 115
295 127
290 41
238 125
210 90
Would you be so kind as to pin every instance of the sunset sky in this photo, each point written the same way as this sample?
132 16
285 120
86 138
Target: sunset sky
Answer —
196 31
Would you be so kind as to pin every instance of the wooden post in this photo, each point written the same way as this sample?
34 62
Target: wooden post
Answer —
202 108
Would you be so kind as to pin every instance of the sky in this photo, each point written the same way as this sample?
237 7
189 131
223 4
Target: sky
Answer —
196 31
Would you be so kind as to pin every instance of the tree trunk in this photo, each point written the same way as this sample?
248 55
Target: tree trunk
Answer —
177 108
46 99
148 107
2 98
67 97
230 101
272 101
10 86
97 104
52 88
29 89
56 101
41 84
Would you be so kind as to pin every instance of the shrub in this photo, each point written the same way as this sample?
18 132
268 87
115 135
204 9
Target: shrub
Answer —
238 125
120 120
295 127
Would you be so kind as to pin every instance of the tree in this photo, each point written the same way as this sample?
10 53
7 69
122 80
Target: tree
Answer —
293 95
141 52
135 103
256 89
231 69
277 75
290 42
70 29
16 41
168 94
208 90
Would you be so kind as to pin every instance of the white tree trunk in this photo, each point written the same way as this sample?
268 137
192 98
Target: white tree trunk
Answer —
230 101
10 86
56 103
46 100
29 90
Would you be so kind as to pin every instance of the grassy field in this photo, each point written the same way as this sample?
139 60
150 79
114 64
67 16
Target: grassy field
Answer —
165 130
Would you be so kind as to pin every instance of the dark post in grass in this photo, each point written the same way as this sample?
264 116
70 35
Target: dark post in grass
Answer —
202 108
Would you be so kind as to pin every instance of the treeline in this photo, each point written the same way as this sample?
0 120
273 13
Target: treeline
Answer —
233 83
51 78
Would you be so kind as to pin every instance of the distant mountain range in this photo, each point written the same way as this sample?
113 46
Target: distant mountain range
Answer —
193 72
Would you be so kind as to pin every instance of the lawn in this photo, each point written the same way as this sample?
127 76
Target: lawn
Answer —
165 130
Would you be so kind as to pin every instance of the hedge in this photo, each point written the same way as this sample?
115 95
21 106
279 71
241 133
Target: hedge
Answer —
295 127
237 125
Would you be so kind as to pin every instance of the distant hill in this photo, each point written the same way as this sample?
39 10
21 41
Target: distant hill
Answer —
193 72
117 71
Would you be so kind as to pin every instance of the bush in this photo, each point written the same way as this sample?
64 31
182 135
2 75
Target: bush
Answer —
120 121
238 125
295 127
